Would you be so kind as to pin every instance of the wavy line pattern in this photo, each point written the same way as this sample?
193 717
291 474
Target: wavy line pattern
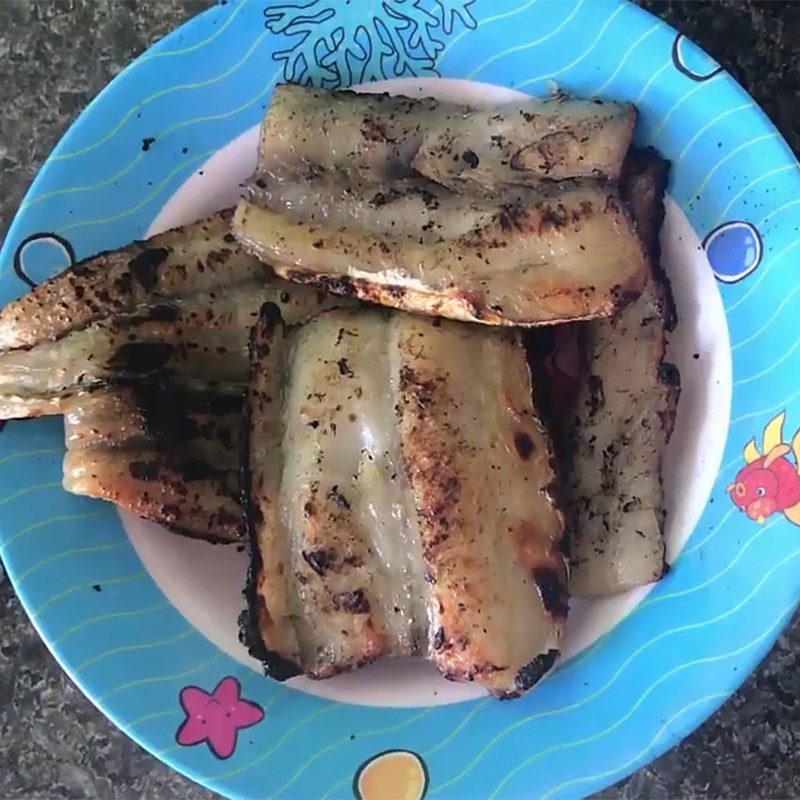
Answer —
711 124
581 57
43 523
597 693
624 60
637 704
653 78
723 215
78 587
115 615
529 45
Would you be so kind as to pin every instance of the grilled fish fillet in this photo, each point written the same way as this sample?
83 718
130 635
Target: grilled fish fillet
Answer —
375 530
201 339
625 416
196 258
561 252
382 136
162 452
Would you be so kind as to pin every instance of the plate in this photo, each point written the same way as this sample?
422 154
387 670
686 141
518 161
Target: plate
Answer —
145 623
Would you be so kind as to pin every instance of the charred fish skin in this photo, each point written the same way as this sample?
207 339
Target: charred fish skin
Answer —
565 252
201 339
496 572
265 626
625 416
528 141
162 452
194 258
378 534
386 137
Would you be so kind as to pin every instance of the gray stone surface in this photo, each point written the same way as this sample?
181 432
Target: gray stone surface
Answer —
54 57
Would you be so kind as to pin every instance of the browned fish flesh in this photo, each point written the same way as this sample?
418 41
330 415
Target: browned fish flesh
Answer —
375 531
627 402
162 452
385 137
562 251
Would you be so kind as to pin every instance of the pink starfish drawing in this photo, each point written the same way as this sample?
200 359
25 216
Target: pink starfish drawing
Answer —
215 718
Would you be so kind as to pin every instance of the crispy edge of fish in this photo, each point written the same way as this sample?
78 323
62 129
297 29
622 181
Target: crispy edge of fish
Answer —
646 171
255 620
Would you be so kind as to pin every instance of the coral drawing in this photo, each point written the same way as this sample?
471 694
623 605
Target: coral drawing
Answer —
770 483
216 717
334 43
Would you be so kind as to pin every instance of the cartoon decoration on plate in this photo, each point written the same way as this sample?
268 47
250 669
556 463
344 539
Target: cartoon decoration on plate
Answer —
41 255
733 250
216 717
335 44
770 483
391 775
692 61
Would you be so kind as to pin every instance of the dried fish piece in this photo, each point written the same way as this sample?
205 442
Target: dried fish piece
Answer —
199 258
375 532
165 453
563 252
625 415
386 137
201 339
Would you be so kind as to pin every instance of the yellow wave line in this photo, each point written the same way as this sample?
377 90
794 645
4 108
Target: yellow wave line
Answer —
160 678
134 647
25 453
155 96
63 554
632 710
144 60
27 490
711 123
106 617
654 77
594 695
677 104
105 220
710 174
687 551
762 273
709 698
764 220
769 322
624 60
696 588
84 586
780 405
264 756
580 58
459 728
774 365
528 45
45 522
777 171
343 740
481 23
76 189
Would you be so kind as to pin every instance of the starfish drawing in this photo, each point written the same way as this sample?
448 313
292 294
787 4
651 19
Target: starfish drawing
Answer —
216 718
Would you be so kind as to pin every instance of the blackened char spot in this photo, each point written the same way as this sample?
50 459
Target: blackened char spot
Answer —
669 375
438 639
344 368
143 266
532 672
195 469
524 445
319 560
338 498
147 142
138 358
471 158
553 591
143 470
355 602
163 312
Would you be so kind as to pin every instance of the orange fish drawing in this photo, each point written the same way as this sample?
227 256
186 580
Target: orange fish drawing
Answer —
770 482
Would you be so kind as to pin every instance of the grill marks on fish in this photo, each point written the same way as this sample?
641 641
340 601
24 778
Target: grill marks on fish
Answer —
535 242
617 437
372 532
165 453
